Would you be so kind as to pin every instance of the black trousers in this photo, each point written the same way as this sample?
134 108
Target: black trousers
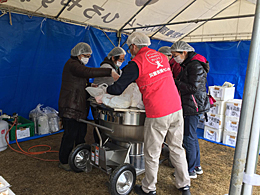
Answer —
74 134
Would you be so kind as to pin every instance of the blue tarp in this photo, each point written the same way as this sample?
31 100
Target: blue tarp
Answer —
33 51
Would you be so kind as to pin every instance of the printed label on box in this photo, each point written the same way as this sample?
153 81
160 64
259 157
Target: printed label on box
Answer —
231 140
232 126
213 121
214 109
216 92
233 110
211 135
23 133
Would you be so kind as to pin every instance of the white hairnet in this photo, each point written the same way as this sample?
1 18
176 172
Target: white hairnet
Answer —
181 46
117 51
138 38
81 48
165 50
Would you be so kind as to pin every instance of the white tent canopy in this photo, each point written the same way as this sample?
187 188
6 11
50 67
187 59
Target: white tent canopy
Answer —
168 20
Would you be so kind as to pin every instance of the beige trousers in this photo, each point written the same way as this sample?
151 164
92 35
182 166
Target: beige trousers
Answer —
155 130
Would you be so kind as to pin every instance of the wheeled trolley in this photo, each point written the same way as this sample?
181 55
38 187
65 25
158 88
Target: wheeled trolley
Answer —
120 149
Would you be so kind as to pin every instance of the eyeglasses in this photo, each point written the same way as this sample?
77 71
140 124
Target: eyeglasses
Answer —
121 60
86 55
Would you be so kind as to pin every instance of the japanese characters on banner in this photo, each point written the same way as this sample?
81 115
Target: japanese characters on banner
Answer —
87 10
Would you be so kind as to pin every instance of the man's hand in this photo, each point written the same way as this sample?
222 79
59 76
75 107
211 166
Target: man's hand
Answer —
99 99
114 75
94 85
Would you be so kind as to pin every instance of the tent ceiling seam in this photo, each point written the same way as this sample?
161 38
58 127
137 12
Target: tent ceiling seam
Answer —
173 18
206 21
193 21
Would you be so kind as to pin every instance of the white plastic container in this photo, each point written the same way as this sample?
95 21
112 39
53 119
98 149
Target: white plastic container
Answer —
7 191
218 108
213 134
43 125
222 93
3 130
231 123
215 121
3 184
229 138
233 107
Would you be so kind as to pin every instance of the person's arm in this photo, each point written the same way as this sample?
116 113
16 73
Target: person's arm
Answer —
129 75
80 70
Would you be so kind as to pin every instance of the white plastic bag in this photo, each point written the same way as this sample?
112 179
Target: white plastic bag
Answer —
46 120
97 91
42 120
131 97
53 119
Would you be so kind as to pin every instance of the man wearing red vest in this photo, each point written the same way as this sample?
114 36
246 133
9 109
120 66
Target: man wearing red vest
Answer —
152 73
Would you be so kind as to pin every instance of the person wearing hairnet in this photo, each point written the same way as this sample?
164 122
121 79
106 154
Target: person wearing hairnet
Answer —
175 67
191 82
166 51
73 99
114 60
151 71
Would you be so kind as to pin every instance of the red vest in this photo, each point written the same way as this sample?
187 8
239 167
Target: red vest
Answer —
155 81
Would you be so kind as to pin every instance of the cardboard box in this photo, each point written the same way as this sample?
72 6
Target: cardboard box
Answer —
229 138
233 107
213 134
231 123
7 191
215 121
222 93
218 108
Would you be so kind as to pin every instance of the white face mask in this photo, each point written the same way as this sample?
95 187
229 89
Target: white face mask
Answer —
84 60
118 63
178 59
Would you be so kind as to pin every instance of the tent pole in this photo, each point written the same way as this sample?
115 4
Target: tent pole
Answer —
206 21
252 77
135 14
253 151
118 34
192 21
173 18
108 38
63 9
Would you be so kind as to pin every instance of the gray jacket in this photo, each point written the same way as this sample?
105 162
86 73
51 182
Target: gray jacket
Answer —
107 80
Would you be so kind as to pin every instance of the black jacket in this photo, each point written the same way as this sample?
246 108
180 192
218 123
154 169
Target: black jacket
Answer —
73 96
191 82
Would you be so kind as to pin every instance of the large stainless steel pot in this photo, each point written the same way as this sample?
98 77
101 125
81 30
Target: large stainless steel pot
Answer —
128 124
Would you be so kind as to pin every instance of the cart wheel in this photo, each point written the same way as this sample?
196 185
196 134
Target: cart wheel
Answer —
78 157
122 180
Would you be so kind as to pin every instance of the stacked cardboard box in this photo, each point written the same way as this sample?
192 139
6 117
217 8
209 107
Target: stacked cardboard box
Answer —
232 114
214 127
